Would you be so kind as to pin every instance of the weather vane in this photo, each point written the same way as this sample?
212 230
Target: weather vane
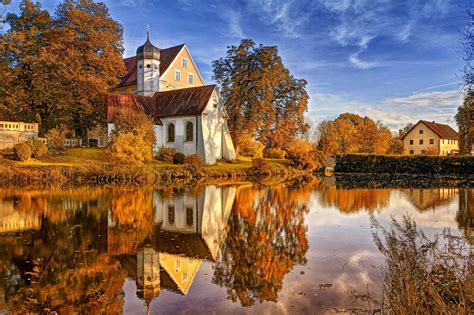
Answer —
148 29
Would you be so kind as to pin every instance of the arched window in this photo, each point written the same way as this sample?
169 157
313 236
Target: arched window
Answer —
171 133
189 131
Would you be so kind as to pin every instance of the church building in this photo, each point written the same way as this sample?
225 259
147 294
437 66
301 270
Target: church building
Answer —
166 85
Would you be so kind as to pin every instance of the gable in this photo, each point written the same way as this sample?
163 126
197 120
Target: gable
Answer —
168 76
167 56
441 130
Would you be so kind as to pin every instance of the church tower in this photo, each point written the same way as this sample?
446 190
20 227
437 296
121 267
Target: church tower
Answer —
148 68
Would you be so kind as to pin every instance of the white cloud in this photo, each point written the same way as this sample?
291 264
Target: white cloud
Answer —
405 33
287 16
235 30
361 64
430 100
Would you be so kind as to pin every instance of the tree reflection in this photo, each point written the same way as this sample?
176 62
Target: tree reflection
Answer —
354 200
266 239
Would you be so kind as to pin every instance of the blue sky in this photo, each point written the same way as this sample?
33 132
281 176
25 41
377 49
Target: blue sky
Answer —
394 61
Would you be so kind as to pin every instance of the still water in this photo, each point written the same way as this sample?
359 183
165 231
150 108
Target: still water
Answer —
214 249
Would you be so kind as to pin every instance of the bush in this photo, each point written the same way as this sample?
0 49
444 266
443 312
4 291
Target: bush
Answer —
22 151
303 155
93 142
166 154
57 137
275 153
193 160
248 147
131 148
178 158
39 149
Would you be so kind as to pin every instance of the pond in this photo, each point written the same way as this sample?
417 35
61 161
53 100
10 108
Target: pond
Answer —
211 249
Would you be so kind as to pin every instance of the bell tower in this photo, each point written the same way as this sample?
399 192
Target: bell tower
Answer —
148 68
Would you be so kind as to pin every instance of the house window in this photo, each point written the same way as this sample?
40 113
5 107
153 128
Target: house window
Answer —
171 214
177 75
431 141
421 141
184 63
411 141
191 261
1 125
190 78
171 132
423 151
189 216
412 152
421 131
177 264
189 131
185 276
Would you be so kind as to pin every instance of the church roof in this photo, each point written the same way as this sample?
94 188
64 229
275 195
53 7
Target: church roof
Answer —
166 58
442 130
189 101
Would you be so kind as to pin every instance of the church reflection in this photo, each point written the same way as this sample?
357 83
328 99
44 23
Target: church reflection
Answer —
189 228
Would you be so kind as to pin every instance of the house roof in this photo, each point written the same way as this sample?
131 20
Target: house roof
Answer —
180 102
189 245
166 58
442 130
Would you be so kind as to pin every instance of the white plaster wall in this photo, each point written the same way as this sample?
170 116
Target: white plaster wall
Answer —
148 78
186 147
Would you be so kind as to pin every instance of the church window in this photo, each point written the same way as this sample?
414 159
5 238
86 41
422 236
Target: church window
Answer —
184 63
177 75
148 66
190 78
189 131
189 216
171 214
171 132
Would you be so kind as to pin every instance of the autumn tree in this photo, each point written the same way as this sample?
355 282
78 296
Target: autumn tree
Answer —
396 145
465 114
351 133
61 66
260 95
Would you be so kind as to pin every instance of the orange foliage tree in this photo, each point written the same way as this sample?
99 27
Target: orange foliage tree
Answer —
351 133
267 238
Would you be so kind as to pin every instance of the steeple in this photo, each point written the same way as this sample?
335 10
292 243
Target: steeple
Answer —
148 68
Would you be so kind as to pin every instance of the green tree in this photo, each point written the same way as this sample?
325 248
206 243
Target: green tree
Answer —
260 95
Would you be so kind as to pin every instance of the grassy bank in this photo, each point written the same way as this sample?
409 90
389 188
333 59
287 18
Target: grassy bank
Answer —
93 166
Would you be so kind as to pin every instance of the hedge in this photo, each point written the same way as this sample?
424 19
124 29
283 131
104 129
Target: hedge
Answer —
398 164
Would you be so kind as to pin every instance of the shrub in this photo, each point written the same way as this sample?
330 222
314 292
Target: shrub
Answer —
57 137
275 153
130 148
178 158
193 160
39 149
22 151
303 155
248 147
133 137
166 154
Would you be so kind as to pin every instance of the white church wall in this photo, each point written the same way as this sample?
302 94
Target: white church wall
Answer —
186 147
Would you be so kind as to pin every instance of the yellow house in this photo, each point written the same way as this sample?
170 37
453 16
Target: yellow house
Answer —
429 137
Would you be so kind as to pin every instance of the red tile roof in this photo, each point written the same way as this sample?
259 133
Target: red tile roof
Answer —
180 102
166 58
442 130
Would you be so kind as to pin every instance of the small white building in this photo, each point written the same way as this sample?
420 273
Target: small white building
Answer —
13 132
189 116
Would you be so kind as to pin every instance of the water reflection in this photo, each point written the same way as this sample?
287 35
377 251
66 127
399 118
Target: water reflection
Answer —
72 250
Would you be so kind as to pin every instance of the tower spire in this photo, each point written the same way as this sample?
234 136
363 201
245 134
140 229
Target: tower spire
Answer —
148 31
